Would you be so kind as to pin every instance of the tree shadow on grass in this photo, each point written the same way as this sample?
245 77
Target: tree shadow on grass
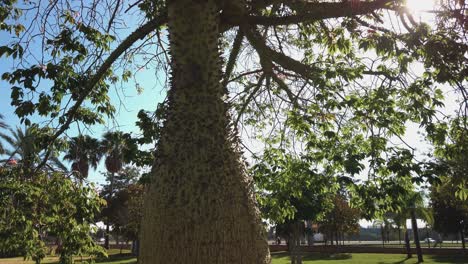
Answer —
398 262
450 259
117 258
315 256
432 258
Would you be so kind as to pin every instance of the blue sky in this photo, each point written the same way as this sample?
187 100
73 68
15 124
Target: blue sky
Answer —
125 98
128 101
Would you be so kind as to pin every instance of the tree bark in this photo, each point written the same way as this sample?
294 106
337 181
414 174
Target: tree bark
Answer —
399 234
382 234
414 225
427 238
135 247
200 206
297 229
111 190
462 235
407 245
106 236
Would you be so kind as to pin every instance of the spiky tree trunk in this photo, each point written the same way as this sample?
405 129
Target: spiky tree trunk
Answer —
200 206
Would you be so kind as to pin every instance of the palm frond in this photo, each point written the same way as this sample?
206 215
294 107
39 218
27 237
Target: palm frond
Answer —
58 163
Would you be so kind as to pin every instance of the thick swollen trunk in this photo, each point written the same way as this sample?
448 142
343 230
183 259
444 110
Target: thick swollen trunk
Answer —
200 206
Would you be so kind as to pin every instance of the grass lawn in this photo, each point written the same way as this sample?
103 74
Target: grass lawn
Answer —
114 258
358 258
402 245
283 258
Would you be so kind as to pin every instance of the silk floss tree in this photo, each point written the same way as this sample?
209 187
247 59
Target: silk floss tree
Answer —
201 199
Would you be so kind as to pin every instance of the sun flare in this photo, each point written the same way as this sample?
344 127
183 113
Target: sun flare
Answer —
418 6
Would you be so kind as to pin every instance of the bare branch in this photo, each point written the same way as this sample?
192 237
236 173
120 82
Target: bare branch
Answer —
233 56
249 98
100 74
307 11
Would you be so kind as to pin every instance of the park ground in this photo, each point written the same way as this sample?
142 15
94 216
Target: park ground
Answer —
283 258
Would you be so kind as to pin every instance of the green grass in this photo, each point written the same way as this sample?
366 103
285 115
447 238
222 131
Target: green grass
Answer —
114 258
423 245
364 258
283 258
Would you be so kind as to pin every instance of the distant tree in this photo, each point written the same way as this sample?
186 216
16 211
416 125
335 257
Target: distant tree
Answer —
126 209
340 220
449 197
291 192
113 146
398 219
450 140
84 152
128 175
115 193
116 147
25 146
47 203
450 212
416 208
3 125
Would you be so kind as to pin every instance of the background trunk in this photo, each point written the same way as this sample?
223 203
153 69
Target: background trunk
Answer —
414 225
296 230
407 245
200 206
135 246
399 234
462 235
111 190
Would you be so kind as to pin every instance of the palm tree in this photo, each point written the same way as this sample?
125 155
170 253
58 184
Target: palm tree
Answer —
115 147
418 209
24 147
399 220
415 208
84 152
3 125
384 225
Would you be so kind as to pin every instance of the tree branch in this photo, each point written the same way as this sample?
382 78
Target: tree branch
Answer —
100 74
312 11
233 56
288 63
249 98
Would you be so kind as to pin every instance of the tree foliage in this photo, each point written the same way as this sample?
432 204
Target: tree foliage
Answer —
450 212
341 219
335 76
291 189
84 152
49 203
